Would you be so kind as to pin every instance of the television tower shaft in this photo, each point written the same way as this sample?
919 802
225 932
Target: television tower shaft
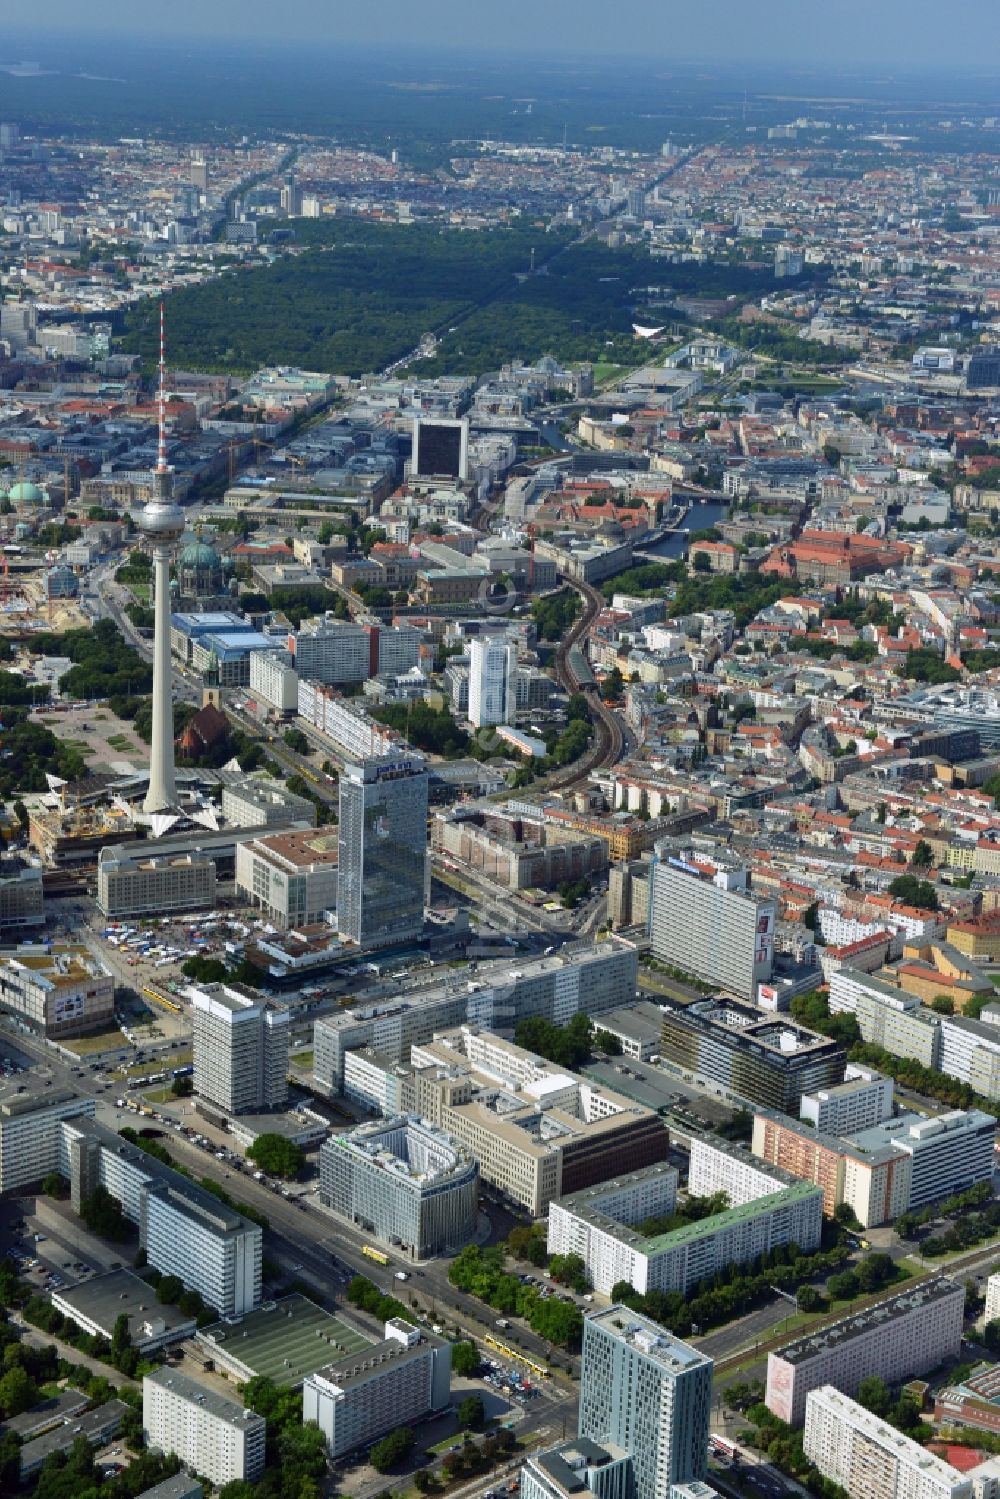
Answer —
163 522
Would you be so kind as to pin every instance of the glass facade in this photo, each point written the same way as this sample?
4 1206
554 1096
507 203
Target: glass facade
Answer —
383 849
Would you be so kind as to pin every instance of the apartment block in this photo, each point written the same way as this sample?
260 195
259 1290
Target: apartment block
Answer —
875 1183
861 1101
901 1337
711 927
648 1394
948 1153
513 850
31 1131
208 1432
56 990
601 1225
865 1455
993 1297
240 1049
355 733
766 1059
403 1181
361 1396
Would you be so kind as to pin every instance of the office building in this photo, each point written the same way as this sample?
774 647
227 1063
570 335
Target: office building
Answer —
440 448
240 1050
865 1455
983 369
512 849
713 927
96 1304
575 1466
249 803
537 1131
601 1224
31 1130
10 134
337 651
57 990
649 1394
582 978
383 877
290 877
185 1230
948 1153
404 1182
766 1059
861 1101
359 1397
144 884
875 1183
210 1434
22 898
198 172
492 680
900 1337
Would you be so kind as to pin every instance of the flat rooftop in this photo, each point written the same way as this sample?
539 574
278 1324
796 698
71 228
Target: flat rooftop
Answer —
105 1297
314 846
35 1095
284 1340
905 1302
649 1338
210 1400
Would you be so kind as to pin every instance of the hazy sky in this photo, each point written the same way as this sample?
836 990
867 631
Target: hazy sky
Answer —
881 33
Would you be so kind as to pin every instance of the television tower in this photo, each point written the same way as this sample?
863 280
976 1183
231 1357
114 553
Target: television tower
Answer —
163 522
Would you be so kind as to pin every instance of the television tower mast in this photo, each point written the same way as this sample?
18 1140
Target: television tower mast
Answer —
163 522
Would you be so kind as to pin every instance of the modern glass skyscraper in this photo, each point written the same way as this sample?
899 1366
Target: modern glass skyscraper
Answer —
645 1391
382 878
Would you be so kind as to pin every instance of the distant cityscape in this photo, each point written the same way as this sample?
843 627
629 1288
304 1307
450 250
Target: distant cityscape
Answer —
500 850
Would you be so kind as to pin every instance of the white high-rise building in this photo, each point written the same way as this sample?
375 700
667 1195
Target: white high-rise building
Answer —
31 1134
240 1050
865 1455
711 927
210 1434
492 680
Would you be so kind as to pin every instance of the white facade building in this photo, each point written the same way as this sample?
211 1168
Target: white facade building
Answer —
725 935
898 1338
866 1456
240 1050
210 1434
492 680
273 677
362 1396
861 1101
31 1132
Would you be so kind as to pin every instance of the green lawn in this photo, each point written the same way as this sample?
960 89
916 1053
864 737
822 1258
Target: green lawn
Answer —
301 1059
87 1045
121 743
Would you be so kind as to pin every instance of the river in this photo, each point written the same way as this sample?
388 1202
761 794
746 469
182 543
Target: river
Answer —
698 518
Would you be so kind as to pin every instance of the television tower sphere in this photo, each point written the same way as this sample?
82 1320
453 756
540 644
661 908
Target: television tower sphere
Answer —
161 520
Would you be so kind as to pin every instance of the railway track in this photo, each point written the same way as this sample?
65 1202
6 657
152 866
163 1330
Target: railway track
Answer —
573 674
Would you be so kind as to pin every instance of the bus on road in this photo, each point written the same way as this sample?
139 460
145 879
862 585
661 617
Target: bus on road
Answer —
378 1255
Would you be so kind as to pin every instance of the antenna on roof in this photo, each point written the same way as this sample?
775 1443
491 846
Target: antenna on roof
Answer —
161 455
